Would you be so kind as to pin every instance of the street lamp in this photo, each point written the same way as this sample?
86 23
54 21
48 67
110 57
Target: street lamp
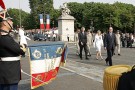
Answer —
44 15
20 12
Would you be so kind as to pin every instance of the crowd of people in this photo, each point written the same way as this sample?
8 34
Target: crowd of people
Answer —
111 42
33 35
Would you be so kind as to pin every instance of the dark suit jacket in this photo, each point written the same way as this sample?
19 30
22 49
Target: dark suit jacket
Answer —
82 38
110 41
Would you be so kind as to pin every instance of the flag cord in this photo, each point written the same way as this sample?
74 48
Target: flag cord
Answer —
31 76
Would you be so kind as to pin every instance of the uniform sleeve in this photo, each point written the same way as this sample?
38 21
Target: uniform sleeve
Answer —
94 44
102 44
79 37
86 37
91 39
115 42
13 46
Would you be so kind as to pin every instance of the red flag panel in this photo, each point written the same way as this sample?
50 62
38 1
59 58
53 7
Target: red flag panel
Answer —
2 4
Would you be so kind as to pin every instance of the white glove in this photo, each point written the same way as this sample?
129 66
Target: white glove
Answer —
23 47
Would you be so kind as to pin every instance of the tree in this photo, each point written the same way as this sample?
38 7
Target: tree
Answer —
40 7
54 21
125 16
14 13
77 12
120 16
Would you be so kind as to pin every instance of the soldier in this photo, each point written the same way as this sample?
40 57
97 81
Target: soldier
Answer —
118 41
89 41
10 51
77 41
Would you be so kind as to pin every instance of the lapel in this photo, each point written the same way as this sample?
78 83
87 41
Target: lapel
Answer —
112 35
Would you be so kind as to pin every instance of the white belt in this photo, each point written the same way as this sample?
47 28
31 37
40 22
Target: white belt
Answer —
10 58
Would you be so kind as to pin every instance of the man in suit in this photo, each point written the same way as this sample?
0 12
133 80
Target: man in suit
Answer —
109 45
83 42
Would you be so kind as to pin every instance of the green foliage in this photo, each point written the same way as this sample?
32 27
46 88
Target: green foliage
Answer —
31 20
40 7
89 14
77 11
14 13
102 15
54 20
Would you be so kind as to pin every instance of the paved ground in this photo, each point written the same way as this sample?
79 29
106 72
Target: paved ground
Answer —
79 74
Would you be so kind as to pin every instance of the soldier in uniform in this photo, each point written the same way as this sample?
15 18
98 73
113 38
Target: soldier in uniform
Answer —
10 51
77 41
118 42
89 41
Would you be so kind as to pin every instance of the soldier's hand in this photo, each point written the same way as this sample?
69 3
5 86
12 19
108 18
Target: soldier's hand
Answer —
104 48
23 47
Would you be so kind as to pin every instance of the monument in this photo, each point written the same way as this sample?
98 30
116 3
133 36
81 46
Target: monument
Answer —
66 24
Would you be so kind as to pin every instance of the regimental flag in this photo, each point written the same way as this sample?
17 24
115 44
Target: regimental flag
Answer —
42 27
2 4
45 60
47 22
2 12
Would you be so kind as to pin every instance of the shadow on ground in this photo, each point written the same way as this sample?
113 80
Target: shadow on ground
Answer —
27 87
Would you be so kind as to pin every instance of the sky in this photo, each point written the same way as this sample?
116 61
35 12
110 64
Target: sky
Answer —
25 3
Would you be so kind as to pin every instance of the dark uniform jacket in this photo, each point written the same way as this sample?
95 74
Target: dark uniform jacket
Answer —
10 71
110 41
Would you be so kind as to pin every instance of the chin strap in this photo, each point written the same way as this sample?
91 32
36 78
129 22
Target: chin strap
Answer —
4 31
9 25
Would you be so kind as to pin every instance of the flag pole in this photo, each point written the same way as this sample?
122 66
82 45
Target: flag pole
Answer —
20 12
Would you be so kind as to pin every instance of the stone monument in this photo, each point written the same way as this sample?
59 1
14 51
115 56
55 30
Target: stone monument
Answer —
66 24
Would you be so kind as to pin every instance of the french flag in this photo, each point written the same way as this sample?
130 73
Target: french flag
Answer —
45 61
47 22
41 22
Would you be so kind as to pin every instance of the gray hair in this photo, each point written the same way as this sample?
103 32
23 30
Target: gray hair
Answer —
83 28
